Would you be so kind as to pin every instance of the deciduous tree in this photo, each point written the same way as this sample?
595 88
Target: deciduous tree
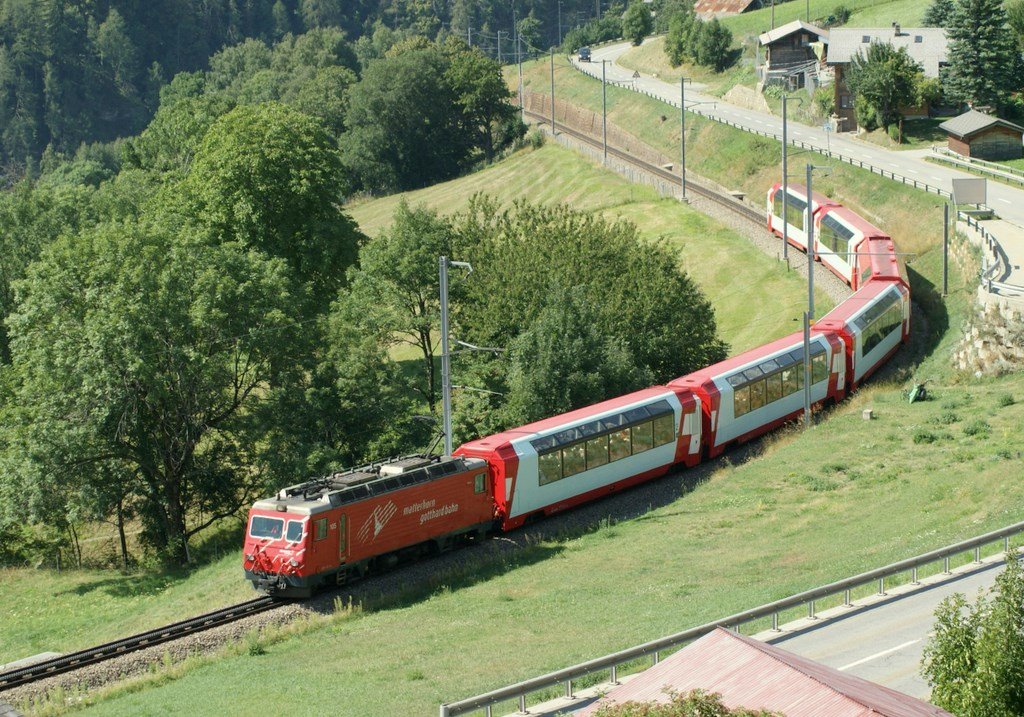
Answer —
270 178
637 22
883 80
975 660
141 350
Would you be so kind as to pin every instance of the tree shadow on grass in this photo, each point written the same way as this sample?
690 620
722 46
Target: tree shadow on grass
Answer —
214 545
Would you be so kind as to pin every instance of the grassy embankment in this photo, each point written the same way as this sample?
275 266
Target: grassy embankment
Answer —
814 507
94 606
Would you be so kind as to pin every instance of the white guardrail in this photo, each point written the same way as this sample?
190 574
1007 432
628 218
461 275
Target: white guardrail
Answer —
999 263
611 663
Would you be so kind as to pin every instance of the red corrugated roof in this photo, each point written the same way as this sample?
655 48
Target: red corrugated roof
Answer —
752 674
720 7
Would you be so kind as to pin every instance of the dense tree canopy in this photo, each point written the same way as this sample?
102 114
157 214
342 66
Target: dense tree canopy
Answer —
637 23
270 178
984 61
137 352
939 13
74 71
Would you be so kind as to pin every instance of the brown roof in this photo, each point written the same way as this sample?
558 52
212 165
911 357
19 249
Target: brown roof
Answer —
972 122
714 8
752 674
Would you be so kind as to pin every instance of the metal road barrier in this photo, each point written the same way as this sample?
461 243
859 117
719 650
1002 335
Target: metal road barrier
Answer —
992 169
1000 262
565 677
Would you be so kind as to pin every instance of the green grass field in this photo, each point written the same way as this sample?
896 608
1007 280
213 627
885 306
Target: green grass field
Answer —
917 477
718 259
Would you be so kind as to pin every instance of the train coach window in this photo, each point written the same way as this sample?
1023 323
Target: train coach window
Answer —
664 429
479 482
597 452
756 395
643 437
619 445
773 387
294 533
574 459
819 368
320 529
550 467
790 380
741 401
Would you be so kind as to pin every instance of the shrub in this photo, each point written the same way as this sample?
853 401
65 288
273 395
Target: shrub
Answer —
979 428
924 436
825 101
946 418
1005 400
535 138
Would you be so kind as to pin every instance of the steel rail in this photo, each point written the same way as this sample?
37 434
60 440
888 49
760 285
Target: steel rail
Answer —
723 200
124 646
610 662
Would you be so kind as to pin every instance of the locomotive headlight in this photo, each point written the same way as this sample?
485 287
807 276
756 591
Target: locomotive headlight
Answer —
249 557
294 563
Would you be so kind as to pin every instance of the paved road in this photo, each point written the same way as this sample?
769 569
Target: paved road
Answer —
1007 201
884 643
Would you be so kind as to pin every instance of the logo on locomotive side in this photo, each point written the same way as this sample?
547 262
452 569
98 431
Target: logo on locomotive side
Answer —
376 522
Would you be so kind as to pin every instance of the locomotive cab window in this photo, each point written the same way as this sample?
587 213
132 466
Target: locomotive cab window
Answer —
264 527
294 533
479 482
320 529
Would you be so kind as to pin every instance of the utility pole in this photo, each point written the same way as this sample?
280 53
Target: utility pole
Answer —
682 133
785 183
446 373
499 47
469 35
807 370
559 23
604 111
519 59
945 249
446 376
552 91
773 15
810 246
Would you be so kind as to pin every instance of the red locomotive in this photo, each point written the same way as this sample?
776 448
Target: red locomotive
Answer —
330 529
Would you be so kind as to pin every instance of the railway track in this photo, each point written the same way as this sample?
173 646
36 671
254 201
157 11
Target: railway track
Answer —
724 200
124 646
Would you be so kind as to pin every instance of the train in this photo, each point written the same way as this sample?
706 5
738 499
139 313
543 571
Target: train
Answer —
331 529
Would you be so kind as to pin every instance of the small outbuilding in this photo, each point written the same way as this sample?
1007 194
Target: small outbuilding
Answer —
976 134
